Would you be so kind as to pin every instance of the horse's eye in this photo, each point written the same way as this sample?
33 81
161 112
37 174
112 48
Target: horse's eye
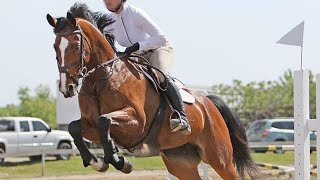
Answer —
77 48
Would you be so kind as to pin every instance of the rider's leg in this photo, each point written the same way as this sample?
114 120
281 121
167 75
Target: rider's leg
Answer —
162 58
179 120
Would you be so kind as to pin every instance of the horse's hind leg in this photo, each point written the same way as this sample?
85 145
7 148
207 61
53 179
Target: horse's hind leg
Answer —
88 158
215 149
222 165
182 162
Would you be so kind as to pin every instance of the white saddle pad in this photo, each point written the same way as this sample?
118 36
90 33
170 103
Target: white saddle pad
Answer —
186 96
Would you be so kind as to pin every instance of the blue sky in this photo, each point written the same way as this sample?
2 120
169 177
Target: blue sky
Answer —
215 41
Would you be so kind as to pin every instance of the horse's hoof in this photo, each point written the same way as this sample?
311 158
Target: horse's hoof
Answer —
99 166
127 166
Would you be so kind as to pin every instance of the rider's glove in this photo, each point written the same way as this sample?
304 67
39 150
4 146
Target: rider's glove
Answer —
132 49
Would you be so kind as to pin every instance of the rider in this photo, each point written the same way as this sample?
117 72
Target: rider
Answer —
135 30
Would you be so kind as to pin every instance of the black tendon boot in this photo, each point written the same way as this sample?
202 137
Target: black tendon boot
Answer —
178 120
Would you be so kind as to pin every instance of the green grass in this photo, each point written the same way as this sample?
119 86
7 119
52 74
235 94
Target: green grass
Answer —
74 165
71 167
286 159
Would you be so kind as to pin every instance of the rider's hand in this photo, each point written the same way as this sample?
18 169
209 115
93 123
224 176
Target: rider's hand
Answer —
122 54
132 49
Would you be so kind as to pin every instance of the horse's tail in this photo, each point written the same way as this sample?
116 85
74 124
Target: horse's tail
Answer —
241 151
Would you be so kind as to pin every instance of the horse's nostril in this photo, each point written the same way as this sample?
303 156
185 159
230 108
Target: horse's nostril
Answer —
70 87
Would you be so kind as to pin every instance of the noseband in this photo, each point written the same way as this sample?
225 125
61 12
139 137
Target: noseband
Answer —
84 72
83 69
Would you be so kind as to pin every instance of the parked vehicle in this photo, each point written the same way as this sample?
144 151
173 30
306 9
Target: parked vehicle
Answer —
271 130
29 137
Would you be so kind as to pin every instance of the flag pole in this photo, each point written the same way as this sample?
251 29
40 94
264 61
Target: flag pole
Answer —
301 65
301 58
295 38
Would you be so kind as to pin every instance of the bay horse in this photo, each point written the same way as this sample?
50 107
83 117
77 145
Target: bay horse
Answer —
119 108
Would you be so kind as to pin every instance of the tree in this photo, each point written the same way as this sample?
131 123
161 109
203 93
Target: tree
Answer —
41 105
265 99
9 110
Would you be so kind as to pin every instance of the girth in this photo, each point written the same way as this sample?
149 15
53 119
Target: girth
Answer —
154 130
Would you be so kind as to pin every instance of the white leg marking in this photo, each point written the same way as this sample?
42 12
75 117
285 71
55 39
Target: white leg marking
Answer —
63 77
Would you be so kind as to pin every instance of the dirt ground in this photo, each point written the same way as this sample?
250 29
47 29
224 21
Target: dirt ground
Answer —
147 175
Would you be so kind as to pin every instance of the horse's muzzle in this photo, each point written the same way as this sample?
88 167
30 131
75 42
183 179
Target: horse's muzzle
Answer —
71 91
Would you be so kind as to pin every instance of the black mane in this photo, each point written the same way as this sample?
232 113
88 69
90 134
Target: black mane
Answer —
98 19
82 11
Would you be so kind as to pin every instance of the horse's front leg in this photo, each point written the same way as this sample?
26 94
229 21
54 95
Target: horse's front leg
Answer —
88 158
125 124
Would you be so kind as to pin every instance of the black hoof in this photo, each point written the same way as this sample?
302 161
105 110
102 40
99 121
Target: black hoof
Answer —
123 165
127 166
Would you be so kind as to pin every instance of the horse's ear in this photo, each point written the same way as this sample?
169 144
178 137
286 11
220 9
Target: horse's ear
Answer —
52 21
71 19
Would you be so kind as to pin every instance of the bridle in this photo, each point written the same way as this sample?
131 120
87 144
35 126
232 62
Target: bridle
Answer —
82 62
84 72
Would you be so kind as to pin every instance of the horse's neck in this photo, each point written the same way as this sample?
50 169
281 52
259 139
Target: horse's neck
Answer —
102 51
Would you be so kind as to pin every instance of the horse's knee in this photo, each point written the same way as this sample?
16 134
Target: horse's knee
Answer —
74 129
104 123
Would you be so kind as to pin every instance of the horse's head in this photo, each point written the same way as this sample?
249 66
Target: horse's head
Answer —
72 52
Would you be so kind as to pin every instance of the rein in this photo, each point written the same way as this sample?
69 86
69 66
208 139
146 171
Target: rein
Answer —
84 72
124 57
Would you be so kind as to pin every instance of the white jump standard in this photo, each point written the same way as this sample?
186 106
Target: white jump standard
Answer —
303 124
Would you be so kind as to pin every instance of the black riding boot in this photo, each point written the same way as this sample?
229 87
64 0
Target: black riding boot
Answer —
178 120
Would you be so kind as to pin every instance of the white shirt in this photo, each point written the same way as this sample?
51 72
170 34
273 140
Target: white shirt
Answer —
133 25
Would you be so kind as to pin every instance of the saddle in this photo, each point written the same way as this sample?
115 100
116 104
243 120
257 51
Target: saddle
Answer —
153 78
150 140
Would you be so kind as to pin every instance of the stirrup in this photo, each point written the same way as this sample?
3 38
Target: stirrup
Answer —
179 123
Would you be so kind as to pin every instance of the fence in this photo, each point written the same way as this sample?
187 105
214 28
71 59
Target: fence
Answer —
303 125
259 146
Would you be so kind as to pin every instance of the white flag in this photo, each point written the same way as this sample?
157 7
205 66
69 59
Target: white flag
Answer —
293 37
